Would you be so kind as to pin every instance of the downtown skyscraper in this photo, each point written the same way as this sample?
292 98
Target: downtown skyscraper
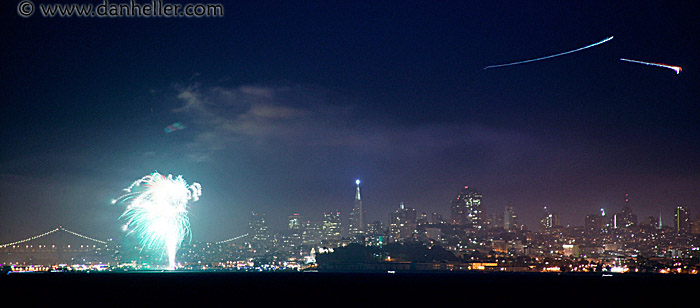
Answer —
681 219
550 220
402 223
331 227
626 218
260 235
466 209
510 218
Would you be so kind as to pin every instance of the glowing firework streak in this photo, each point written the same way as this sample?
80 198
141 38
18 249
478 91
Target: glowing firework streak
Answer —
678 69
157 211
549 57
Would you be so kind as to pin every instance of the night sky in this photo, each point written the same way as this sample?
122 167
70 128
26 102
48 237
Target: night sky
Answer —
286 103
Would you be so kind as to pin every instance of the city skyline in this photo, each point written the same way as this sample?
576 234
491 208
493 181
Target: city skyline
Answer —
624 208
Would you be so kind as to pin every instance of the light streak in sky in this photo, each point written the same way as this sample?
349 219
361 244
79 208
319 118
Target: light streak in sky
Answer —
157 211
678 69
549 57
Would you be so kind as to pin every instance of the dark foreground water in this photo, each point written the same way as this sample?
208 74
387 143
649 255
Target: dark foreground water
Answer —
229 289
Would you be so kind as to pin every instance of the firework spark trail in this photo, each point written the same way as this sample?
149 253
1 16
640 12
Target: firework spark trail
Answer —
549 57
157 211
678 69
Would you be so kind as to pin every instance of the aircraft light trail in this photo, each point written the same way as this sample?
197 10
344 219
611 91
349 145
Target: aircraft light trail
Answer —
552 56
678 69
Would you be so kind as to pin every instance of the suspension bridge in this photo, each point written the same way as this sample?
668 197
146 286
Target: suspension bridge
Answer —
85 237
38 236
43 247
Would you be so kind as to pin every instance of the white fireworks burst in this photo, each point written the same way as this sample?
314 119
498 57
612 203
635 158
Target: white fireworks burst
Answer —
157 211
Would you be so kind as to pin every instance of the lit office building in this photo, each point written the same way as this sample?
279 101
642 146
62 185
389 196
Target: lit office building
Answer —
550 220
293 236
260 235
402 223
375 234
625 219
331 227
681 219
510 218
597 223
312 233
466 209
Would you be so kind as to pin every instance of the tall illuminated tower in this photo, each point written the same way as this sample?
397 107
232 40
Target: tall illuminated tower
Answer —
356 227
